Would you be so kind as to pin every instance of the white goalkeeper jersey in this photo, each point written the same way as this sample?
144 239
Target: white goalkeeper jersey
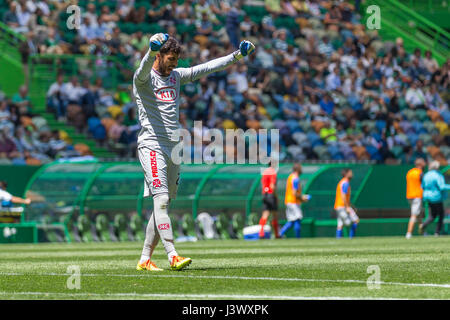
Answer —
158 99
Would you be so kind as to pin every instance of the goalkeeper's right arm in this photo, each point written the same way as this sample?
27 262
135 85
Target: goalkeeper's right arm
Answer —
142 74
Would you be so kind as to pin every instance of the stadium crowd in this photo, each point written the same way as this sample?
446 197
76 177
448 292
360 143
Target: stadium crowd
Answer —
334 89
26 139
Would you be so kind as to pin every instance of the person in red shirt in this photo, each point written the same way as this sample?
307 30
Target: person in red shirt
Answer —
270 200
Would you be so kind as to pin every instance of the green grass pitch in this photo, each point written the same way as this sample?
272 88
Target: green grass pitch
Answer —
324 268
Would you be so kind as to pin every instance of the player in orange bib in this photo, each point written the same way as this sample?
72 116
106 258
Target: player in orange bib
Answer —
293 199
270 200
346 215
414 193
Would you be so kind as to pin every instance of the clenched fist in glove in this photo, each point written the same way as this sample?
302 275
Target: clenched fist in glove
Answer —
245 48
157 41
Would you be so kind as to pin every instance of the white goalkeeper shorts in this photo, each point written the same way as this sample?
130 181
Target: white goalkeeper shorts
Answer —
416 206
344 217
161 175
293 212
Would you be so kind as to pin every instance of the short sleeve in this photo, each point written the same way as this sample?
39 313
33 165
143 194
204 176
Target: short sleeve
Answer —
345 187
295 183
6 196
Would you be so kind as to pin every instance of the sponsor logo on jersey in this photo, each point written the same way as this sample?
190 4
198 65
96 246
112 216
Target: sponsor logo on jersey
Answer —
153 164
156 183
164 226
166 94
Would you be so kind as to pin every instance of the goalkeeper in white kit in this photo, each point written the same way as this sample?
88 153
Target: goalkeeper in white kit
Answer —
156 89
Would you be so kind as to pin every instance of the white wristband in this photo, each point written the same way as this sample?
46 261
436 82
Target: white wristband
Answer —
238 55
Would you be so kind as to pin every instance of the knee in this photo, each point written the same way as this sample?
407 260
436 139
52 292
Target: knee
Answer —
161 201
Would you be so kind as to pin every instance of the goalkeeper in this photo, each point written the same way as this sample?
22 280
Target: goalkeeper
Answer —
156 89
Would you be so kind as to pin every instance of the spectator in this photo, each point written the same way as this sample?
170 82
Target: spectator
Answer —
22 100
8 148
327 104
232 24
327 133
88 31
87 100
91 15
238 78
292 109
430 63
72 91
203 7
325 47
415 96
291 82
10 17
418 151
268 25
56 100
23 16
334 81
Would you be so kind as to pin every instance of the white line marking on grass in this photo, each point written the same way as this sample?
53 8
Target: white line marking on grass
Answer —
436 285
195 296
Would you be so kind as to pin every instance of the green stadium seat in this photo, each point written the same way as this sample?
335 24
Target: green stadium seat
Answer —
272 111
70 222
50 233
137 227
222 225
409 114
421 115
267 124
369 123
430 126
84 228
237 221
102 228
397 151
175 221
305 125
253 218
120 227
426 138
188 225
445 151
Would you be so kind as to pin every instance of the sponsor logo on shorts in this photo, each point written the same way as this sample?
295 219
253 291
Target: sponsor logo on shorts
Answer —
156 183
164 226
153 164
166 94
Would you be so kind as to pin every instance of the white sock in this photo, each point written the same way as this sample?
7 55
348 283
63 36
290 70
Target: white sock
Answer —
151 239
171 254
163 224
144 258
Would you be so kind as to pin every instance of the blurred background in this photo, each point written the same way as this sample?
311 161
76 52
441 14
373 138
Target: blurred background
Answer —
340 94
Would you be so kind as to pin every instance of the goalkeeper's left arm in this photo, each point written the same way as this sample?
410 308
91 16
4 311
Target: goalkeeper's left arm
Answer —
198 71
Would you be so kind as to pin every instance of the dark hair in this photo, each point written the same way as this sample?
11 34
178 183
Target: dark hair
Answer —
3 184
345 171
172 46
297 167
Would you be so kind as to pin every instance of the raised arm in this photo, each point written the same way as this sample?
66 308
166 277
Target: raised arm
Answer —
142 73
201 70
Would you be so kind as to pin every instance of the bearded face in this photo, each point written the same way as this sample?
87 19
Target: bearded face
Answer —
167 62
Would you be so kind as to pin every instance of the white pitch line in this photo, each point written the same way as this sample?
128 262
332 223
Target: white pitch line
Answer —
436 285
196 296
